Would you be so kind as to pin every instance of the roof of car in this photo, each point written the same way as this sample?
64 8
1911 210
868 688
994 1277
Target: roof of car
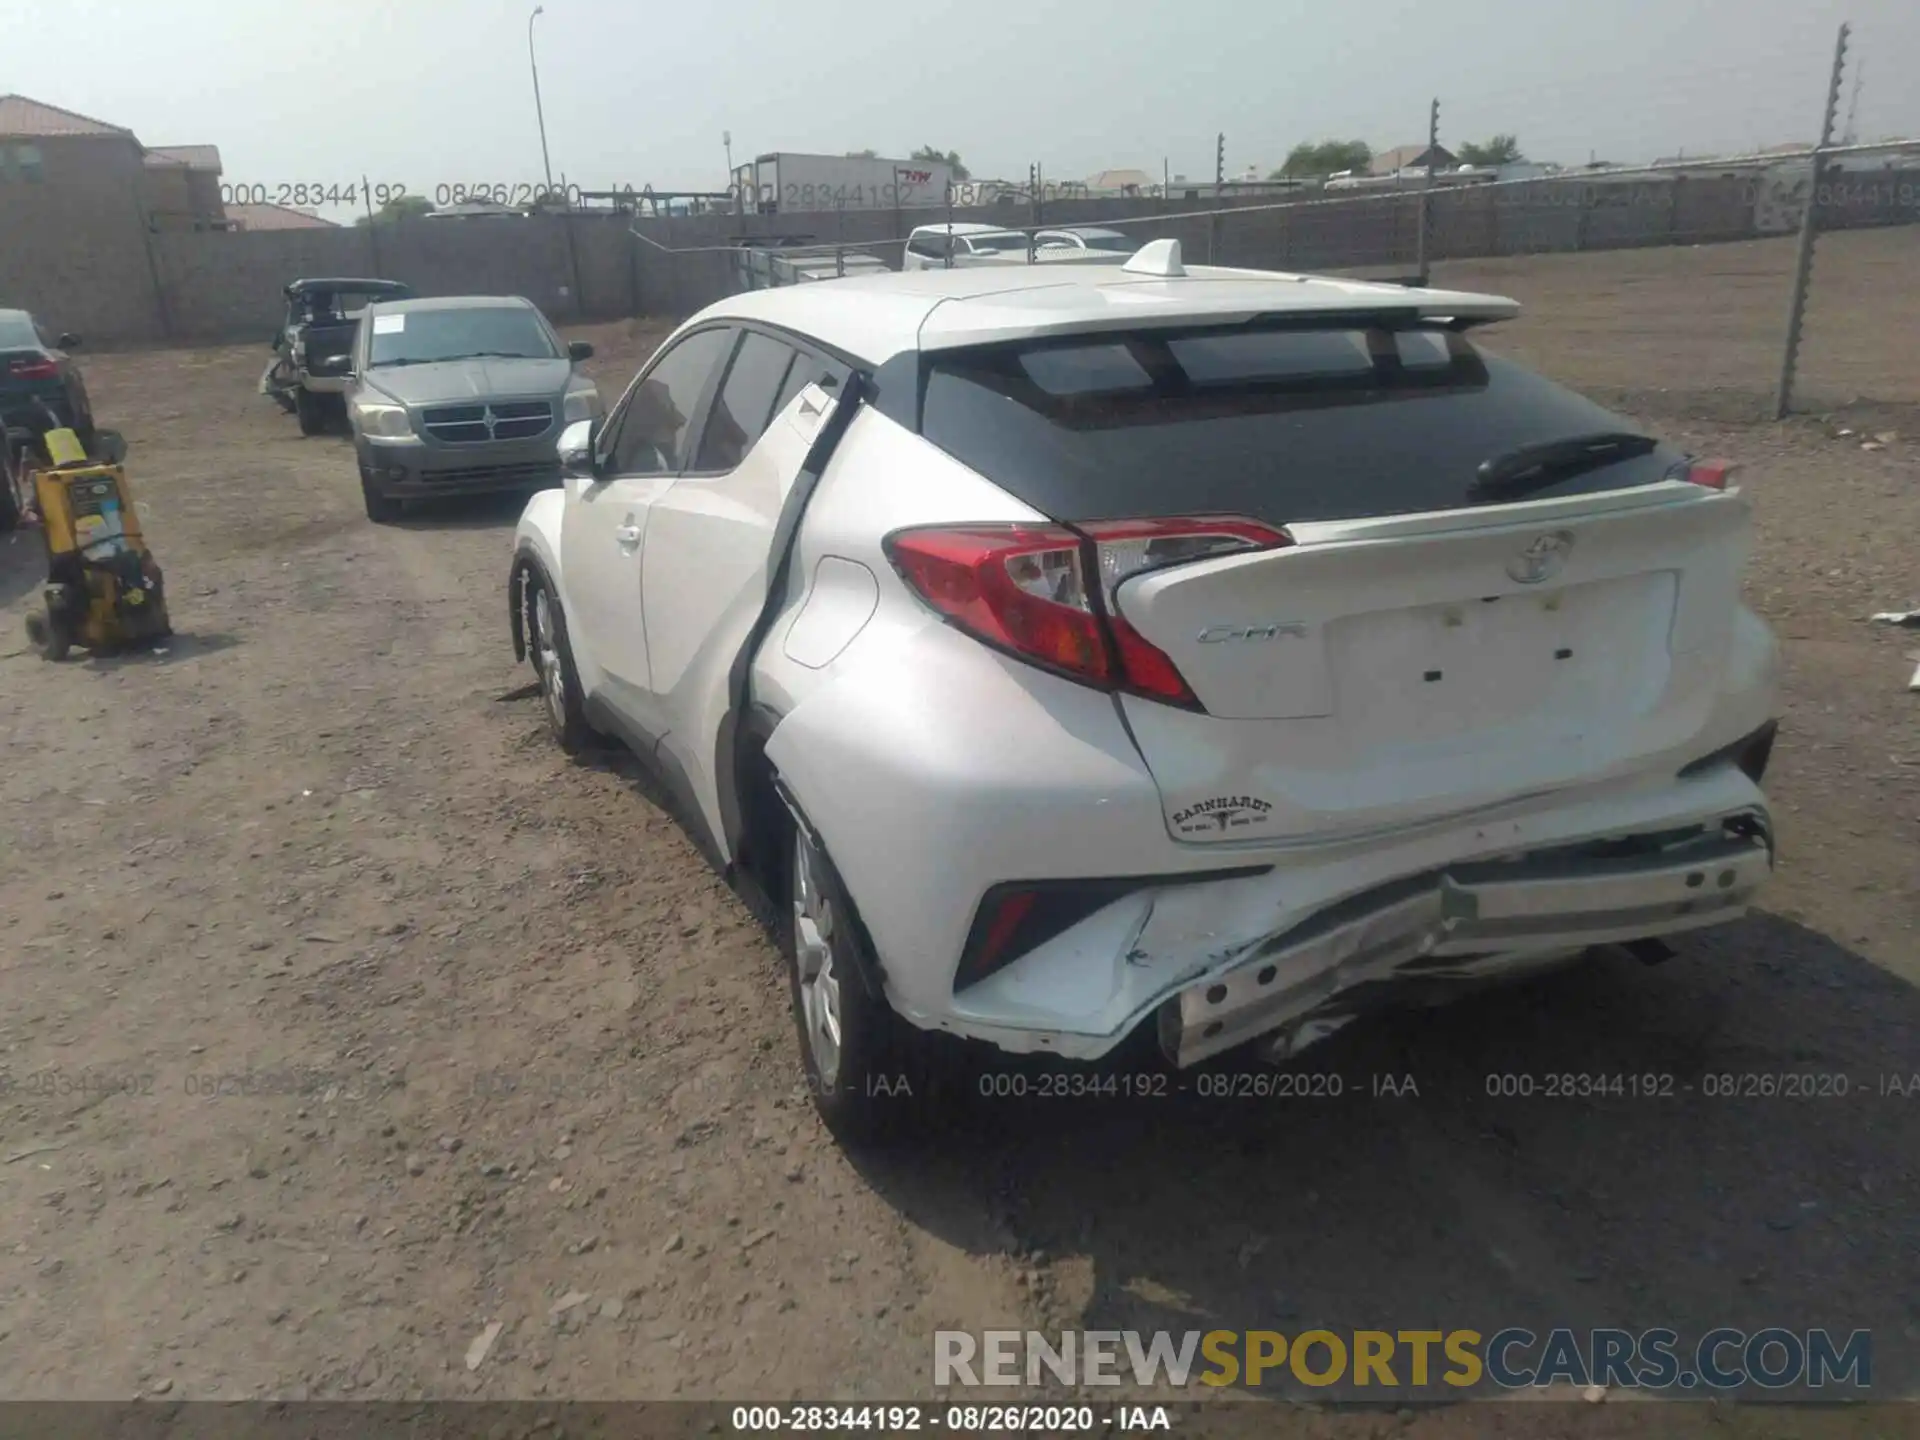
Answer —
332 284
875 317
453 302
961 227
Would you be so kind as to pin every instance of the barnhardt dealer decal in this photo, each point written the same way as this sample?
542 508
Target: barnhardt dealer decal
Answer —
1223 812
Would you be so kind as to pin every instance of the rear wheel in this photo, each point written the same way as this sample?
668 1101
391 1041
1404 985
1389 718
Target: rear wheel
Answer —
866 1069
311 411
50 634
11 502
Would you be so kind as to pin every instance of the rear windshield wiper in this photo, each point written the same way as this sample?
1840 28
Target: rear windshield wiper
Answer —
1533 467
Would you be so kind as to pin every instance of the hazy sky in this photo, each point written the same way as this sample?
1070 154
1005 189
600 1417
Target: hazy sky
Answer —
428 92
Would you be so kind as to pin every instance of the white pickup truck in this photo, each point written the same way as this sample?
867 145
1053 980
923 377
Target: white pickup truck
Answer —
964 244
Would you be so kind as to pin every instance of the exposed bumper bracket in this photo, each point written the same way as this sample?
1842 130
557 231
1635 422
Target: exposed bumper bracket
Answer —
1461 924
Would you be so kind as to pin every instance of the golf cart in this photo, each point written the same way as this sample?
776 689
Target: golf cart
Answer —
313 349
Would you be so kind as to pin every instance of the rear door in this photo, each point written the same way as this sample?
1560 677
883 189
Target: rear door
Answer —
710 537
1429 644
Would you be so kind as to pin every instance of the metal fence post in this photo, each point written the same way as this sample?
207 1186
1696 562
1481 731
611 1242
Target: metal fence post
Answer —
1219 183
373 241
1809 230
1426 191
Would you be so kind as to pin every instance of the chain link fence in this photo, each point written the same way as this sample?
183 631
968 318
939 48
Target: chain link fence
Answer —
1690 285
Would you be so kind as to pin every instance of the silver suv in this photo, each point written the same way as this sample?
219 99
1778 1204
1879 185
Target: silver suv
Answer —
463 395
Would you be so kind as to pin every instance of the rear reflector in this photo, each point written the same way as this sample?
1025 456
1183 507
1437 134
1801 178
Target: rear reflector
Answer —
1048 593
33 370
1710 474
1020 916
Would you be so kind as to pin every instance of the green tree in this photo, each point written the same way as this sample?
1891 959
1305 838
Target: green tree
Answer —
401 207
1318 159
950 158
863 154
1500 150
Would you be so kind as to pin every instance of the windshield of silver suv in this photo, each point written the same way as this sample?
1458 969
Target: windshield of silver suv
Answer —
424 337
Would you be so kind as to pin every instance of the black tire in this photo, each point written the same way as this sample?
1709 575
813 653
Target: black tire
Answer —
50 636
382 508
879 1086
10 500
548 647
311 411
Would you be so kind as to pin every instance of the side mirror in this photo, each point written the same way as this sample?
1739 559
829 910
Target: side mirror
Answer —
576 448
69 341
579 350
111 446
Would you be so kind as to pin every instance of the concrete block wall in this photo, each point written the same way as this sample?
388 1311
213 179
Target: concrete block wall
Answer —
227 286
72 243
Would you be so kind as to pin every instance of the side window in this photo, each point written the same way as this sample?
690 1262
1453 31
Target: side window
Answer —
745 402
654 423
929 246
808 371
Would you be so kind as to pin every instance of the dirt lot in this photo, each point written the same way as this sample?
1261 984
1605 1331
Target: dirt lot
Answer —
343 1016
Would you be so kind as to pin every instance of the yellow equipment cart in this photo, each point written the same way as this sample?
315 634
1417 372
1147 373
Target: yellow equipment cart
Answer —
104 590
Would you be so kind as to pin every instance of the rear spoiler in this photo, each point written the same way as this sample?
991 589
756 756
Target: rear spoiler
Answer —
957 323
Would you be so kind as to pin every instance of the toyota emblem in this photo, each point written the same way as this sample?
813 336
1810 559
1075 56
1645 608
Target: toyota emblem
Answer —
1542 557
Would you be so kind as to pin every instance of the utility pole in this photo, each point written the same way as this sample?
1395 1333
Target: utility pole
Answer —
1809 230
1850 135
539 113
1426 192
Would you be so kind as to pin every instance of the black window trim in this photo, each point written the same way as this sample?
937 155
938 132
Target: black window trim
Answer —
804 347
829 356
696 421
726 374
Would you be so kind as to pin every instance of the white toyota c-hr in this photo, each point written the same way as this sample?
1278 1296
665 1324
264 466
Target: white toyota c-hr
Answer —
1072 650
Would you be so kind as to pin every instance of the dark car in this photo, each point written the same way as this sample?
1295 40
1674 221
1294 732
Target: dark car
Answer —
464 395
313 349
40 388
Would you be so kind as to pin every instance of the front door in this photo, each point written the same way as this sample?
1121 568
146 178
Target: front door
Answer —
603 536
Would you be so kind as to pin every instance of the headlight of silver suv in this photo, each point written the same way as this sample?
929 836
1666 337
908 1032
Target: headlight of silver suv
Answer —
382 422
583 402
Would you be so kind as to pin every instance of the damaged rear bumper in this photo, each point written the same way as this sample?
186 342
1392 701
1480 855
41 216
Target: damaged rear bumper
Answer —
1468 922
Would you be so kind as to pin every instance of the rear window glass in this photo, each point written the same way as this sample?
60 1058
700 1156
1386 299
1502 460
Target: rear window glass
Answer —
1282 424
16 333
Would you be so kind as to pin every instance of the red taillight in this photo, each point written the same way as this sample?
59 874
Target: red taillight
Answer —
1712 474
1025 588
33 370
1015 586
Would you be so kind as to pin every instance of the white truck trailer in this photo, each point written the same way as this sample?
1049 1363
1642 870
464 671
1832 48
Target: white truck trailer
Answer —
783 184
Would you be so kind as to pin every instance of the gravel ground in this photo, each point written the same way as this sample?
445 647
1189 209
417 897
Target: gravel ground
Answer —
345 1019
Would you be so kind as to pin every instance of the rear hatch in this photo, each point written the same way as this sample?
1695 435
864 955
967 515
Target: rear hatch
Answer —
326 347
1462 606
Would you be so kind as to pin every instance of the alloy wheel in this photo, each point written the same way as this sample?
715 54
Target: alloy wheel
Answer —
813 957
